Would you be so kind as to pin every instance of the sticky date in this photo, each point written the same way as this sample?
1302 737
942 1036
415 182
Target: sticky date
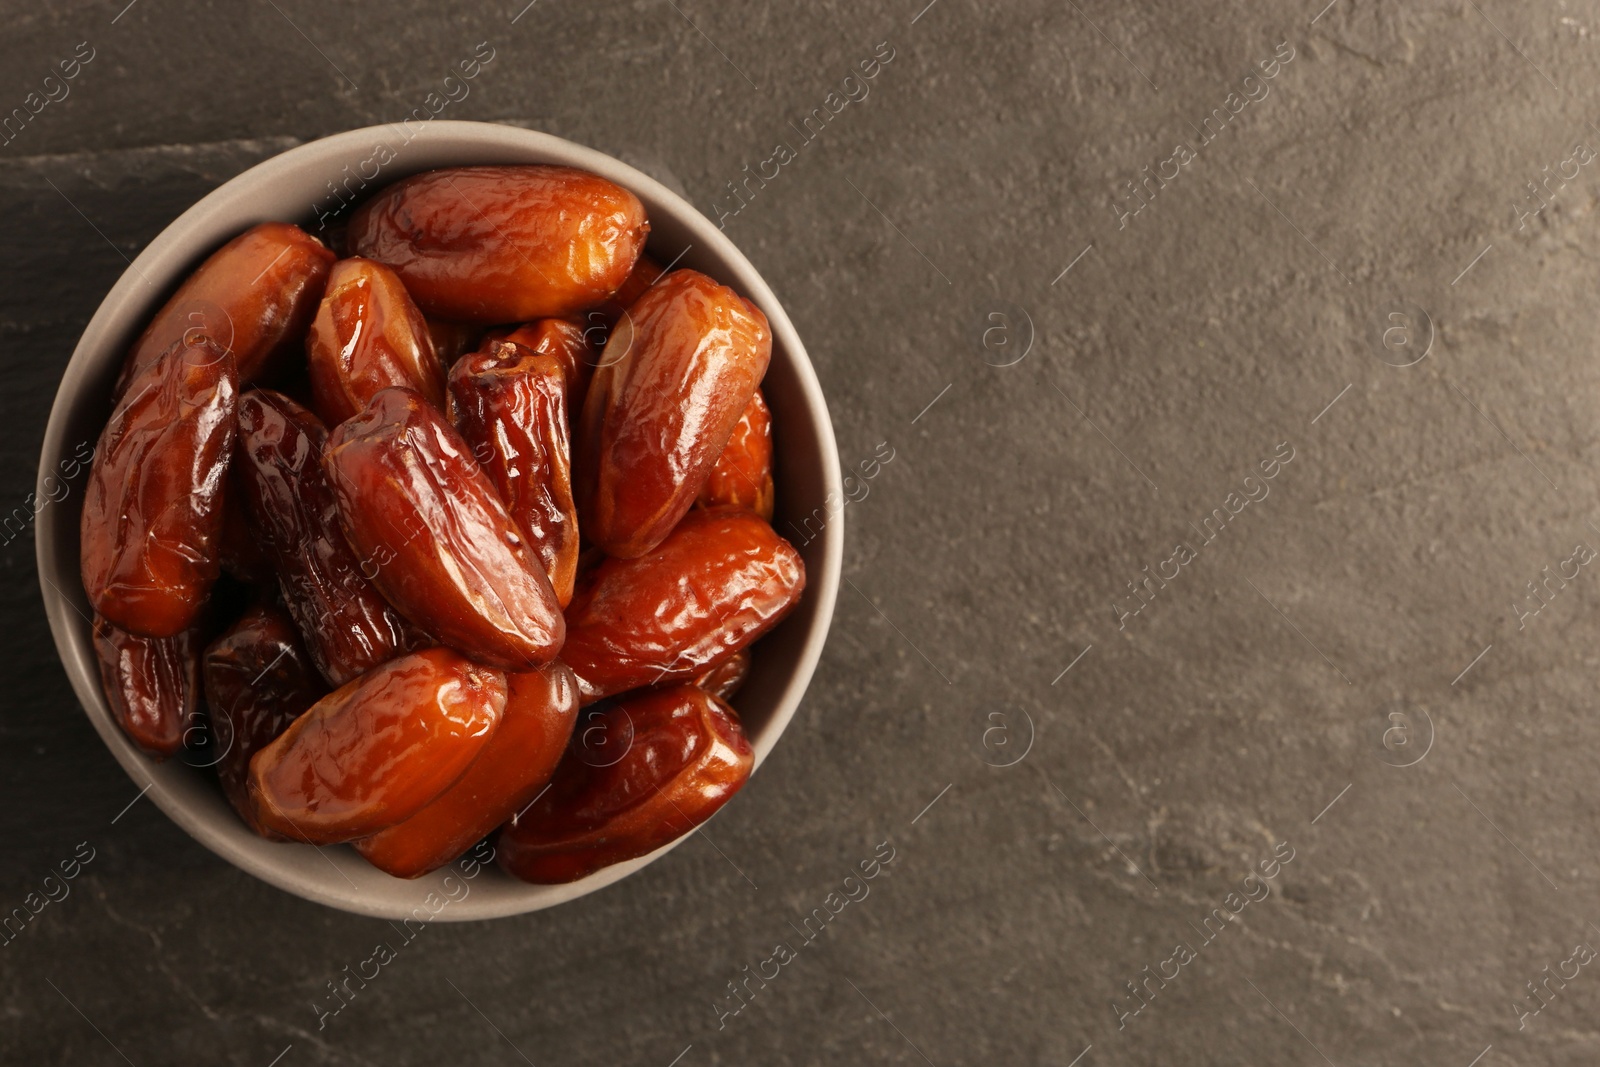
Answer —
567 342
255 296
673 382
377 750
152 511
510 406
368 335
151 684
718 582
504 244
348 626
687 758
513 767
258 680
428 524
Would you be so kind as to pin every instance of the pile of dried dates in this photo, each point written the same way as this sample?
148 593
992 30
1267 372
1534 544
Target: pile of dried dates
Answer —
370 531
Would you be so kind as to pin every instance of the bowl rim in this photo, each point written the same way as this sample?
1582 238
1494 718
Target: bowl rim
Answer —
176 248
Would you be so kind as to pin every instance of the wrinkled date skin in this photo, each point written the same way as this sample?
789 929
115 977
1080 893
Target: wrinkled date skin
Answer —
377 750
688 756
725 678
152 511
255 296
510 406
515 764
742 477
568 343
673 382
348 626
368 335
504 244
258 680
428 524
715 585
151 684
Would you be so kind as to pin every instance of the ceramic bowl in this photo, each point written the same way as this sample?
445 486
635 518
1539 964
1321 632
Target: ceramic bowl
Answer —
300 186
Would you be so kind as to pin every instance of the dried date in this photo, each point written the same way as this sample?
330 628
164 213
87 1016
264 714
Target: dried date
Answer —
687 757
510 406
718 582
151 684
152 511
430 528
676 377
515 764
254 296
348 626
368 335
377 750
504 244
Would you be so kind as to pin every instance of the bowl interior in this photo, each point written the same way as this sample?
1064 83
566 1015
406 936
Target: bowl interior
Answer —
300 186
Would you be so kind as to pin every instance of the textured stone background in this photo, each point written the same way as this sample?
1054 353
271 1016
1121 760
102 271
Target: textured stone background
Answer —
1359 617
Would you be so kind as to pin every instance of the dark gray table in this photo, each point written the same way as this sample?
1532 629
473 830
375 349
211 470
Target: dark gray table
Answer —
1342 667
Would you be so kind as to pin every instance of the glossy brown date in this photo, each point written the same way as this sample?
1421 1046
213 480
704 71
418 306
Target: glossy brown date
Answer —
716 584
255 296
567 342
513 767
377 750
368 335
152 511
504 244
151 684
510 406
429 526
258 680
742 476
687 757
348 626
673 382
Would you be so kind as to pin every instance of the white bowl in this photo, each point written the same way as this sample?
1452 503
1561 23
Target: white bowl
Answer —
295 187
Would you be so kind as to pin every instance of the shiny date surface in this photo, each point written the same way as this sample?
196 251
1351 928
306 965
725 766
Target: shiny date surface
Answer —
718 582
368 335
428 524
515 764
347 624
674 380
254 296
686 756
377 750
503 244
152 511
510 406
570 344
151 684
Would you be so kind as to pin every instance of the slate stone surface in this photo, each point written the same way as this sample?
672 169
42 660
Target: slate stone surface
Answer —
1344 679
